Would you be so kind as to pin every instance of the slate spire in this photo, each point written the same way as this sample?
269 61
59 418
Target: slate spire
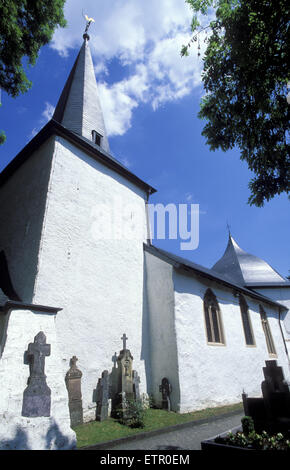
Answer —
243 268
79 108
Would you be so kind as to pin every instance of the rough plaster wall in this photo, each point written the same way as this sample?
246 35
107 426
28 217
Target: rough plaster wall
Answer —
216 375
22 207
98 283
281 295
16 431
164 360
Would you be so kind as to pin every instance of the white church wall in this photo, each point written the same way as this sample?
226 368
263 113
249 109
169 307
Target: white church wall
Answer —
34 433
216 375
22 207
97 282
281 295
163 347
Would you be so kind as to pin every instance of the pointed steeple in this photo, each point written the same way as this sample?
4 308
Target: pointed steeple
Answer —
79 108
243 268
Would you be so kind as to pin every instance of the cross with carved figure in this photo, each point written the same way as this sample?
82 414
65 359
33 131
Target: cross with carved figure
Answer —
37 352
124 338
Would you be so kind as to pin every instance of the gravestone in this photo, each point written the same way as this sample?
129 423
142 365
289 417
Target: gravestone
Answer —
124 377
136 381
103 397
272 411
125 362
37 395
165 388
73 385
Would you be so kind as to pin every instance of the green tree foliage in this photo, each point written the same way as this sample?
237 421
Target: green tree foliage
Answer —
245 76
2 137
25 26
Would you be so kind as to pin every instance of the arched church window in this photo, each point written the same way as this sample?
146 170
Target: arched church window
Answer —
213 322
267 332
249 336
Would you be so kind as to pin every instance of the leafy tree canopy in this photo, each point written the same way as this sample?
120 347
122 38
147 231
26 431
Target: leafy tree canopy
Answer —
245 76
25 26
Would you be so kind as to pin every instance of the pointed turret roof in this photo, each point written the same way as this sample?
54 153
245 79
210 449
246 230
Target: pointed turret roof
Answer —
79 108
245 269
77 114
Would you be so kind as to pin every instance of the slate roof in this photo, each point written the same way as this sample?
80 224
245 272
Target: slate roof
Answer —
79 108
245 269
53 128
179 262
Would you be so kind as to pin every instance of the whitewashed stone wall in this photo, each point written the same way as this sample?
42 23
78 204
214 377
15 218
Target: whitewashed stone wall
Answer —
281 295
204 375
98 283
16 431
215 375
163 344
22 208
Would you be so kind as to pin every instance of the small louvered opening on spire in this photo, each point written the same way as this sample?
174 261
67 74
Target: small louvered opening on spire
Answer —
97 138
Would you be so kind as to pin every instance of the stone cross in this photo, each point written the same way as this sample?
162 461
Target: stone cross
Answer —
165 388
36 397
124 338
274 377
115 359
37 352
103 396
136 381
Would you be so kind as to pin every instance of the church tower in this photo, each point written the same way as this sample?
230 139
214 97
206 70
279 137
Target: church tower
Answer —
75 232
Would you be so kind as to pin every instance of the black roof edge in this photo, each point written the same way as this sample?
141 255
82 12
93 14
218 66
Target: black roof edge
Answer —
253 285
12 304
178 263
55 128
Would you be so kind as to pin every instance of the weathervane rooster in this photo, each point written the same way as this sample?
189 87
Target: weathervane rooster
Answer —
88 23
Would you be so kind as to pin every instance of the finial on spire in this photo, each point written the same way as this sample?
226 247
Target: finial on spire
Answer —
88 24
229 228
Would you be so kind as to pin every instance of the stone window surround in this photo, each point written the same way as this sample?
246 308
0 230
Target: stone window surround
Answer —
211 307
267 331
245 315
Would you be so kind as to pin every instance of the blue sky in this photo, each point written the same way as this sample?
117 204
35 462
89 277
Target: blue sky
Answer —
150 97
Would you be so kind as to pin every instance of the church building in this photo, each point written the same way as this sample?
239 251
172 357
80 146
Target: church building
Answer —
208 331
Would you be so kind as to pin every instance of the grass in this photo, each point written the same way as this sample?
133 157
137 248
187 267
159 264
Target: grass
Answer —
96 432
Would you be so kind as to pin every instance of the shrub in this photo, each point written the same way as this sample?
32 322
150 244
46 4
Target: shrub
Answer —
256 441
248 425
132 414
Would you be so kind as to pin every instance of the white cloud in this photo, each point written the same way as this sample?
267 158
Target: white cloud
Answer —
146 36
117 107
46 114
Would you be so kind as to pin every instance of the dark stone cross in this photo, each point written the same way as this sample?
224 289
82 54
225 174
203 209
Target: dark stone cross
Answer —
136 381
271 412
165 388
274 376
124 338
36 397
114 360
103 397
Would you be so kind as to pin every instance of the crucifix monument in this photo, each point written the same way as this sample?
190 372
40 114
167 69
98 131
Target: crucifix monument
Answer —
37 395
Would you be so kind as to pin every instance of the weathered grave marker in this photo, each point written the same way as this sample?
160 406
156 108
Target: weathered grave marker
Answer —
37 395
73 385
